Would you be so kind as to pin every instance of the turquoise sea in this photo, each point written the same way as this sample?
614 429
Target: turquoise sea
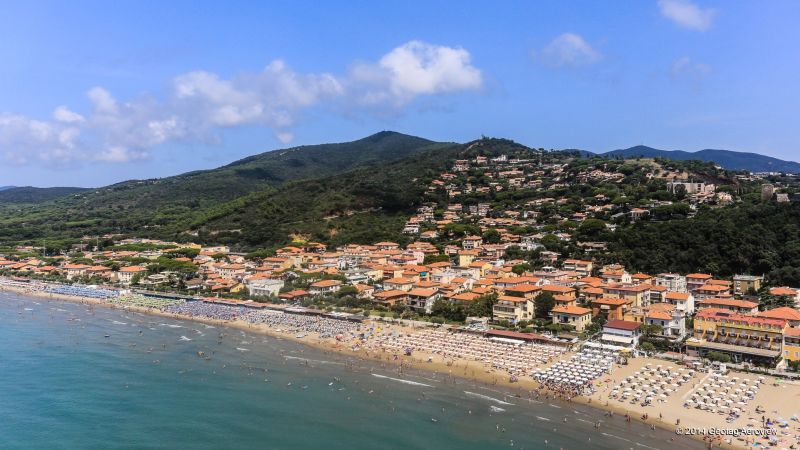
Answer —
64 384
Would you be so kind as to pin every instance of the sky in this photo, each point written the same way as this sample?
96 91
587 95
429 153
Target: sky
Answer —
93 93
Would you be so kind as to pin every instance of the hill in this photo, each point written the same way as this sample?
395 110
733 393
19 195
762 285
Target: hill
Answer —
730 160
155 204
29 194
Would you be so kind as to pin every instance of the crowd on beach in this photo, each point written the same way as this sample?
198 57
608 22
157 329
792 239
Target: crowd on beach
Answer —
578 374
324 326
515 358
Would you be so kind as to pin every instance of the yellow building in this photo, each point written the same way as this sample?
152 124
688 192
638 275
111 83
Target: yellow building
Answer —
791 344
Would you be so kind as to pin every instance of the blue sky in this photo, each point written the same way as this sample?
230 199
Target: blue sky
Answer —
93 93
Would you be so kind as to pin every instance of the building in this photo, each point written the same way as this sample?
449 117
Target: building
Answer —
610 308
264 287
126 274
324 287
744 338
744 284
767 190
683 301
582 268
691 188
696 280
671 320
791 344
512 309
622 333
573 317
728 304
672 281
421 300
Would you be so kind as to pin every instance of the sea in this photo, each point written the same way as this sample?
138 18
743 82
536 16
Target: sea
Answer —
74 376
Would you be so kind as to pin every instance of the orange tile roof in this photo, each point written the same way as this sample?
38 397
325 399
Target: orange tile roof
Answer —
784 313
574 310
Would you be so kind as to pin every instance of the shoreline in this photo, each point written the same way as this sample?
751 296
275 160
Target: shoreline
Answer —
478 373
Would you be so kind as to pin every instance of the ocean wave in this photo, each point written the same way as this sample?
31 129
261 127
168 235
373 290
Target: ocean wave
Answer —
400 380
493 408
171 325
543 418
486 397
117 322
184 338
242 349
312 360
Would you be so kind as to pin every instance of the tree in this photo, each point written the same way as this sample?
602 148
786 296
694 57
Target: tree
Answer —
519 269
718 356
483 306
651 330
430 259
648 347
347 291
591 229
544 304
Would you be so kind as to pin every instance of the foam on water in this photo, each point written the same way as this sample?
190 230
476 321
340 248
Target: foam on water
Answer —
486 397
400 380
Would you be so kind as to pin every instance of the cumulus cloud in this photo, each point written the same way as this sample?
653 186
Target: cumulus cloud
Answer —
199 104
412 70
686 14
568 50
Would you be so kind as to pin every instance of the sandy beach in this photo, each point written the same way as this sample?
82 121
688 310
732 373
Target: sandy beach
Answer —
778 400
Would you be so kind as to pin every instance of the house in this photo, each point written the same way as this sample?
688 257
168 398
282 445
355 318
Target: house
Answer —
791 293
671 319
264 287
512 309
583 268
791 344
610 308
672 281
294 295
573 317
325 287
472 242
683 301
790 315
696 280
75 270
399 283
744 284
390 298
126 274
636 295
710 290
729 304
622 333
421 300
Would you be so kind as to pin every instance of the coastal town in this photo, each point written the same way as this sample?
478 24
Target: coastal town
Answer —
505 270
507 274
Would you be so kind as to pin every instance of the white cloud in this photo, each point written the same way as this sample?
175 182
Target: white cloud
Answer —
568 50
199 104
63 114
416 69
687 14
686 67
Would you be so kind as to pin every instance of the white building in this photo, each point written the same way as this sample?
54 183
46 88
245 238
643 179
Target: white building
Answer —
265 287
